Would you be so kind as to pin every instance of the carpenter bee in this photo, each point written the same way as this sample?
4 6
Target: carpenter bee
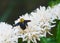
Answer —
22 23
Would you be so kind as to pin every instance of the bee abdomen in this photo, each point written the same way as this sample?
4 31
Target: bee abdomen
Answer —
23 27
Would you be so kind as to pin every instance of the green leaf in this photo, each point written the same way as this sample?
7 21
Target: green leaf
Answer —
19 40
51 40
48 40
58 32
53 2
44 40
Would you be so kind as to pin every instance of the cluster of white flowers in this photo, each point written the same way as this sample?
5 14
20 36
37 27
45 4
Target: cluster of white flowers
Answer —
41 23
7 33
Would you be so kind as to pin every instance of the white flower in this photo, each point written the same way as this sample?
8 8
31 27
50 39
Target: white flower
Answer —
40 24
37 28
32 31
56 11
30 34
43 15
7 33
43 18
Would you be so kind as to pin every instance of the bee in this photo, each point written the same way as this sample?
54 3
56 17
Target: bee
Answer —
22 23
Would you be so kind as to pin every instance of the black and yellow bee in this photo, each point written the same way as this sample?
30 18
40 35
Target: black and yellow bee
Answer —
22 23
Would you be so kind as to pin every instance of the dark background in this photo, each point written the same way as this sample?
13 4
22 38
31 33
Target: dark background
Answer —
12 9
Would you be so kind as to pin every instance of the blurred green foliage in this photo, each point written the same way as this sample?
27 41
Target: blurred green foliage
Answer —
53 2
58 31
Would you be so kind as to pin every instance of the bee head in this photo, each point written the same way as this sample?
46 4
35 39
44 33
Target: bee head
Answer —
21 20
